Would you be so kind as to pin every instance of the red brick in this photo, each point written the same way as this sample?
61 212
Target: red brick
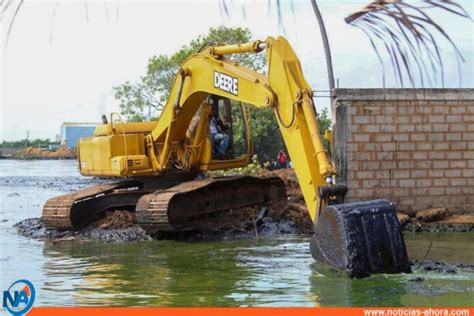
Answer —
404 110
388 128
420 155
383 137
363 156
457 127
406 146
405 164
436 155
468 155
406 128
457 164
458 145
369 128
387 183
454 118
386 165
424 128
383 119
460 109
406 183
370 184
436 118
424 146
423 182
365 175
457 182
370 147
361 119
424 164
382 192
401 174
436 191
401 137
403 155
452 173
418 137
441 146
385 156
402 119
419 191
353 165
470 127
388 147
354 128
468 173
352 146
453 155
361 137
467 136
441 109
440 127
370 165
443 164
382 174
440 182
435 173
453 136
363 192
400 191
468 118
389 110
453 191
419 173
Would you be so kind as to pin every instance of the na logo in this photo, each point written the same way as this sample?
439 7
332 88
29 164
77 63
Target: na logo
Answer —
19 298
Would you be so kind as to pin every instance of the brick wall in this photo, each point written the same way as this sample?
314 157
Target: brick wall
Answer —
415 148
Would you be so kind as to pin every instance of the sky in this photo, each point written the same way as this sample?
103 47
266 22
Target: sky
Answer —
64 57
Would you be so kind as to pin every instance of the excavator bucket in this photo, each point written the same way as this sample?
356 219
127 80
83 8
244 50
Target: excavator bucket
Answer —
361 238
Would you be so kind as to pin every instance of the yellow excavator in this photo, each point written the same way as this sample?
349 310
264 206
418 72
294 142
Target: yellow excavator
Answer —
158 162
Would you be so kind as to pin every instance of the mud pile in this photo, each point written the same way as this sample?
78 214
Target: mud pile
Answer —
38 153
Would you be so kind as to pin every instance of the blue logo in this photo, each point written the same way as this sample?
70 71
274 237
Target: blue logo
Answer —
19 298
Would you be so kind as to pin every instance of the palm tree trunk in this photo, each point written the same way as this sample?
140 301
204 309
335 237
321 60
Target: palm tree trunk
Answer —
327 49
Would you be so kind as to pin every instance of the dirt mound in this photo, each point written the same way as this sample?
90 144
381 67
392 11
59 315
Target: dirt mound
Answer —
39 153
116 219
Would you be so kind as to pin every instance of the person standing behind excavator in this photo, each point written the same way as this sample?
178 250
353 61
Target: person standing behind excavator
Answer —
219 138
282 159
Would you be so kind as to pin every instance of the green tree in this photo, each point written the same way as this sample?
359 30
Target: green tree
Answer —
147 97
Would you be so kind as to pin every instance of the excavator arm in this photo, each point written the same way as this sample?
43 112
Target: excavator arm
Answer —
284 90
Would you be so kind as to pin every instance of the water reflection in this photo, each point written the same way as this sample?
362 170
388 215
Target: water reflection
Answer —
158 273
268 272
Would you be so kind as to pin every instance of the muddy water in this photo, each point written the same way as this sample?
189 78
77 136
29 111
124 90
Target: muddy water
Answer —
275 271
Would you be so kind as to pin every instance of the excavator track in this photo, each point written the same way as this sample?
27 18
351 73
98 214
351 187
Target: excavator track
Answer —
74 210
181 207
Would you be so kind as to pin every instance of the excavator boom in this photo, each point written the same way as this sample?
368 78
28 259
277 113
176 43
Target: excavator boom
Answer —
361 238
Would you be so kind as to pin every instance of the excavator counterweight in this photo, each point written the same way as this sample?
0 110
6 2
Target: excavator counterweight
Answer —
196 132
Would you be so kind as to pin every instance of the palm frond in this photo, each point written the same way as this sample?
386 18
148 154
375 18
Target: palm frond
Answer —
409 36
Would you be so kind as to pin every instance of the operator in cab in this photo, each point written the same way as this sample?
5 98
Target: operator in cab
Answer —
220 139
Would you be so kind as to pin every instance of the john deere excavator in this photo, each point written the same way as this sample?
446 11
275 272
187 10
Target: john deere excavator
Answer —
158 162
